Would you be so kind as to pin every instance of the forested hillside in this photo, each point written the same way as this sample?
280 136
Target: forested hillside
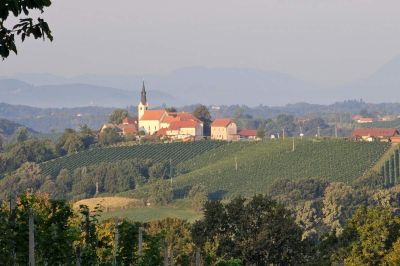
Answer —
9 128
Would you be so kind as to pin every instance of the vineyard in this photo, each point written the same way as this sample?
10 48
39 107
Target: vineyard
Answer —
383 124
390 170
176 152
248 168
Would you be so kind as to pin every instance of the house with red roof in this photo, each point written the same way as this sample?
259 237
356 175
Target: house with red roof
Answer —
248 134
224 129
371 134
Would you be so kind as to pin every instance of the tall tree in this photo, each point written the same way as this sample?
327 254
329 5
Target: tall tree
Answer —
202 113
117 116
22 134
26 27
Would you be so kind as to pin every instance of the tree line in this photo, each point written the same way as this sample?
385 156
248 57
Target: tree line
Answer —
254 231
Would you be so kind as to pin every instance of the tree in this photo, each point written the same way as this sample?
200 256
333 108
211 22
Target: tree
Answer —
376 231
161 192
260 232
117 116
171 109
261 132
177 234
22 134
109 136
339 205
69 142
87 136
198 196
26 27
202 113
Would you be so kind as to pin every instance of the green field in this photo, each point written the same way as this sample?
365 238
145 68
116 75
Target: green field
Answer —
249 168
176 152
154 213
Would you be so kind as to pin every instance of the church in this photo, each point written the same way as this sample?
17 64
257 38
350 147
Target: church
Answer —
171 125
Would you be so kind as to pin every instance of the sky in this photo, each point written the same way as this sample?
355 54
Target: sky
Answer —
327 42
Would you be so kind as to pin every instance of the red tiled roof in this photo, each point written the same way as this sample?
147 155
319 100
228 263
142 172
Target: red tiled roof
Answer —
168 119
176 125
153 115
162 132
183 116
128 128
172 117
374 132
221 122
247 133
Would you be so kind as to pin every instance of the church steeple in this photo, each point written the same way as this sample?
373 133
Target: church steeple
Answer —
143 98
143 105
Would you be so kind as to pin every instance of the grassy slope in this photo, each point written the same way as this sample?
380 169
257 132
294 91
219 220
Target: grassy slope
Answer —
260 164
179 210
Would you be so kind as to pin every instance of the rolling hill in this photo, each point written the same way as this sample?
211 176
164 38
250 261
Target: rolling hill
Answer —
240 168
249 168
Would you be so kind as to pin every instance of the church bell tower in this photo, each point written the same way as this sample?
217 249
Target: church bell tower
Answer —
143 105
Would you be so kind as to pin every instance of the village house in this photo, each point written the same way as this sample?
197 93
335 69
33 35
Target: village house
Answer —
364 120
224 129
372 134
129 126
248 134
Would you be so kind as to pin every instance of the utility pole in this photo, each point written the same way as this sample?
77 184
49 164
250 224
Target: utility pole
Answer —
170 170
31 238
197 257
116 242
283 133
172 254
165 252
318 132
336 131
293 144
236 164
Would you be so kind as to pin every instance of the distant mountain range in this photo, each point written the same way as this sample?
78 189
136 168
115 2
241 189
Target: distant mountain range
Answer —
15 91
191 85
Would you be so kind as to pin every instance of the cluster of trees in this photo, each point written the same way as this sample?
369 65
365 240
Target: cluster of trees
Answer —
256 231
84 182
36 150
322 207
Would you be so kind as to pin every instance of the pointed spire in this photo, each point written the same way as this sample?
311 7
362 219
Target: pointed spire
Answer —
143 98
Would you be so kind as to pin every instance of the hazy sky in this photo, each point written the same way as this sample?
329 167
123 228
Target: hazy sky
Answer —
325 41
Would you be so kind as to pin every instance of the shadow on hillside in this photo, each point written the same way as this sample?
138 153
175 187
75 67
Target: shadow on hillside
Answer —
182 192
217 195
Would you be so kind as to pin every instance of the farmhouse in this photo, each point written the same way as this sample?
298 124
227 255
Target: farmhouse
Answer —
371 134
365 120
224 129
129 126
248 134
